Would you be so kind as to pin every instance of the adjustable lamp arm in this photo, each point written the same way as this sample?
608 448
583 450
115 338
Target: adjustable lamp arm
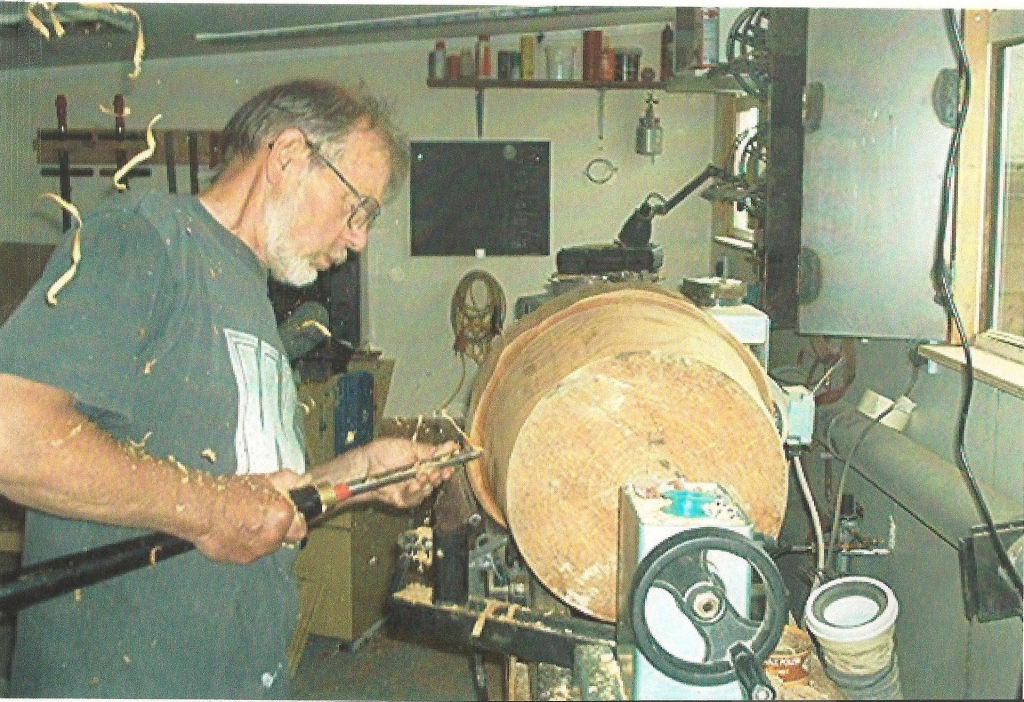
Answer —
636 232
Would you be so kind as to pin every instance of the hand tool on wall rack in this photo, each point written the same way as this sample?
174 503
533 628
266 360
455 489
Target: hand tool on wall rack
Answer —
172 175
120 156
59 576
119 136
64 171
193 162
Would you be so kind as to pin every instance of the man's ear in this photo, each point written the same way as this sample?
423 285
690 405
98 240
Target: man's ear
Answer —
287 147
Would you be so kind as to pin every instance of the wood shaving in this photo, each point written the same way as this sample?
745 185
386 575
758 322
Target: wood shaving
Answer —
89 12
461 433
78 594
37 23
318 325
478 627
110 111
139 157
140 39
209 454
75 431
58 28
152 555
149 366
140 444
76 249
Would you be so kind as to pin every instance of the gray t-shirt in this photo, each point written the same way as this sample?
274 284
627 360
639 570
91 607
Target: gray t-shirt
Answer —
165 337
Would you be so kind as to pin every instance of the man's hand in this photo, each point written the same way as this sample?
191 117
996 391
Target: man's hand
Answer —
387 454
252 516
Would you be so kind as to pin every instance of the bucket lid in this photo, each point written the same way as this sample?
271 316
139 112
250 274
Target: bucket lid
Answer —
850 609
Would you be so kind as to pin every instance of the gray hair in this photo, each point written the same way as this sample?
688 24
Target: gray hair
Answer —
327 113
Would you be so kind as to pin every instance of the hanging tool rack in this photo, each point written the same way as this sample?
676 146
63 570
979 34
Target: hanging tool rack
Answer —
109 149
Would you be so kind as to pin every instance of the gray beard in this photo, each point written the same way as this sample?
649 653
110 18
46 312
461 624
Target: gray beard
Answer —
285 264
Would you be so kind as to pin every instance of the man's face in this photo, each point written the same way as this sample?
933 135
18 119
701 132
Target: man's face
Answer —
313 226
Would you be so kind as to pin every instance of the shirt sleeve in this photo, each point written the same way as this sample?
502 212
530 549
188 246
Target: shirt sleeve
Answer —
92 342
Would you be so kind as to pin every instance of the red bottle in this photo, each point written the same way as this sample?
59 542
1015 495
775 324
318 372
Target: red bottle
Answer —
484 65
667 52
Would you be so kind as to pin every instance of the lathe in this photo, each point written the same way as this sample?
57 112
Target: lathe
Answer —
611 543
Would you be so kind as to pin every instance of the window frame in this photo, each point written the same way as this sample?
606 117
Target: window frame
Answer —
986 35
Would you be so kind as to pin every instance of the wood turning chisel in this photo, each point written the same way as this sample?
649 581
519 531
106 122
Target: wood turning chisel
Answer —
48 579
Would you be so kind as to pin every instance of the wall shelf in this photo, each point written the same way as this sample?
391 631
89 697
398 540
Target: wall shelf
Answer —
676 84
719 84
488 83
724 84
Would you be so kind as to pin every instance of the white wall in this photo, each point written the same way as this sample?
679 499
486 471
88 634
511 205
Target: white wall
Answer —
407 298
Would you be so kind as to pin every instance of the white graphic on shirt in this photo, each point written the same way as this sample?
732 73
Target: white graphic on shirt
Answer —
265 438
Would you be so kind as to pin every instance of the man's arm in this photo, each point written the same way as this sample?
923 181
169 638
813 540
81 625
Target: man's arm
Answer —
53 459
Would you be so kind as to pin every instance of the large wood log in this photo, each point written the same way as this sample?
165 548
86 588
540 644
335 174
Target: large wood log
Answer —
606 385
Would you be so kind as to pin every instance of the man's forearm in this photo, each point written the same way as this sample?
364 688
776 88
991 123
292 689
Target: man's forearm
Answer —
55 460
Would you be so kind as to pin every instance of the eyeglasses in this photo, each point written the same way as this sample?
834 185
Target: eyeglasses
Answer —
366 210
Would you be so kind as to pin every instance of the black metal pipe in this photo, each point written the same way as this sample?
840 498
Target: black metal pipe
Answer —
59 576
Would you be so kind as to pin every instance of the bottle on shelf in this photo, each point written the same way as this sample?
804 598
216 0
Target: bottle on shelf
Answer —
467 63
484 64
528 49
607 65
667 52
437 65
592 44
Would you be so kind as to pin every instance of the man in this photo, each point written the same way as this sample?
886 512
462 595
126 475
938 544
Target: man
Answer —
155 396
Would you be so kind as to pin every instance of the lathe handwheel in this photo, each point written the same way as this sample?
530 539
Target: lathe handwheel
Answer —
679 566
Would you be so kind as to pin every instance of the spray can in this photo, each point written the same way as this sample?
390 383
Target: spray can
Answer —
709 32
437 63
696 38
484 65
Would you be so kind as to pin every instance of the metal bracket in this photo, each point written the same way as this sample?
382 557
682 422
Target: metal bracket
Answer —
988 596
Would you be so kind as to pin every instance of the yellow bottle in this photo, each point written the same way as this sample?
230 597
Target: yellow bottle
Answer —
528 49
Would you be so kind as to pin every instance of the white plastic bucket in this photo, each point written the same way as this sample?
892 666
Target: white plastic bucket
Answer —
853 620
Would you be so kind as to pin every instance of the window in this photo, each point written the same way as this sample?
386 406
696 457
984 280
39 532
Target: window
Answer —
989 248
1004 306
738 207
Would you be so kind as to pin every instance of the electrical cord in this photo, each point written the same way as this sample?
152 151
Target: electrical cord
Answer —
834 534
941 280
819 538
475 319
